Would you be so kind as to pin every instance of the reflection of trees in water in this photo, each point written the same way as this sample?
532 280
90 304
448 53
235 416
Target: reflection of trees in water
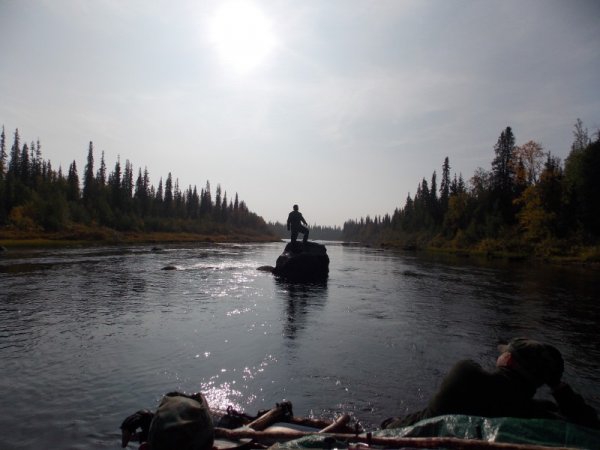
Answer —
300 300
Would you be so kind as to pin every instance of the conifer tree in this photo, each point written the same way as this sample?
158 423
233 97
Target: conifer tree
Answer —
217 209
195 203
503 175
3 190
73 183
433 209
88 179
551 191
14 164
38 158
189 202
114 183
25 166
140 195
2 154
127 182
168 201
224 211
462 188
206 200
445 186
218 197
101 175
146 181
502 165
159 191
178 200
454 185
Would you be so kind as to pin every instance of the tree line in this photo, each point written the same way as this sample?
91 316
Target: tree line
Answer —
35 196
317 232
528 202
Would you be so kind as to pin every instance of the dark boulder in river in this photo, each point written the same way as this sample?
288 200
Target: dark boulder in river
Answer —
303 261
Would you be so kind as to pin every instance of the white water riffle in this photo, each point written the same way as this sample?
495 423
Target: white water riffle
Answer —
89 336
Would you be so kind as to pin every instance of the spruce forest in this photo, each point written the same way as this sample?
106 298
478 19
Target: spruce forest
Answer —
34 197
528 203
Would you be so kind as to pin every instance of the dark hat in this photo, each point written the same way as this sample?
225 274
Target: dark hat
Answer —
540 363
182 423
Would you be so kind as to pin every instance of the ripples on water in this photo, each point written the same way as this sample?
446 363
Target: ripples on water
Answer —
89 336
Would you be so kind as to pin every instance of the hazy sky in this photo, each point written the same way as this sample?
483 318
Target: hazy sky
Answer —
339 106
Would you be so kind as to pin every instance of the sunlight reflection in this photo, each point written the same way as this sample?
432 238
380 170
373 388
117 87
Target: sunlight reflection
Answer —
221 396
234 393
237 312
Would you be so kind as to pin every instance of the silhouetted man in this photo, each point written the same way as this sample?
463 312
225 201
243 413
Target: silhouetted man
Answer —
295 221
522 367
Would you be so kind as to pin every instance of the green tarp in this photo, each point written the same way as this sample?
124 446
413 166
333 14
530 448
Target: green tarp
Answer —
505 429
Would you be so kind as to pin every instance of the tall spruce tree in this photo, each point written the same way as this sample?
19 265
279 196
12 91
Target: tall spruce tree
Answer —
159 191
101 175
168 201
114 183
2 155
217 209
38 158
3 201
88 178
224 210
127 182
14 165
445 186
25 169
502 165
503 174
433 200
73 183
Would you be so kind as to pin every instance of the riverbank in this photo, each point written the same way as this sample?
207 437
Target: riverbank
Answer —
580 254
105 236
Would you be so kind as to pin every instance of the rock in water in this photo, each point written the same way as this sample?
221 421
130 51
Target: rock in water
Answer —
303 261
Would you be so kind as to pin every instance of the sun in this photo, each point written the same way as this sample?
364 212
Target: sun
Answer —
242 35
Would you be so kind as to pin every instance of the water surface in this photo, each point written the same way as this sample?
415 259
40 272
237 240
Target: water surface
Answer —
89 336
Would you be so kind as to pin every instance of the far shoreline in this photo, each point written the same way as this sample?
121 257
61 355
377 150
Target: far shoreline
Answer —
16 239
19 239
585 257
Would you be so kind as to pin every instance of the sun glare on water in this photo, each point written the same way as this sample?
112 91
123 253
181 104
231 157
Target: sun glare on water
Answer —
242 35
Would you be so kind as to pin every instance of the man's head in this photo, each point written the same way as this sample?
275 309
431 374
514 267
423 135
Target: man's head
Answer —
539 363
295 207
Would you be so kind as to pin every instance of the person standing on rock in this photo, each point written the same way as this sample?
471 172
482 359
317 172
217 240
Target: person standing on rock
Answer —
295 221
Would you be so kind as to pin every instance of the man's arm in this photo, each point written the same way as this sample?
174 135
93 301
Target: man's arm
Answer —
302 220
573 407
454 396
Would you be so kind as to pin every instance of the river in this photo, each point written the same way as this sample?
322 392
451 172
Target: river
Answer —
89 336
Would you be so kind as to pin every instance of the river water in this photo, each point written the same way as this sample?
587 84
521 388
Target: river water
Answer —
89 336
